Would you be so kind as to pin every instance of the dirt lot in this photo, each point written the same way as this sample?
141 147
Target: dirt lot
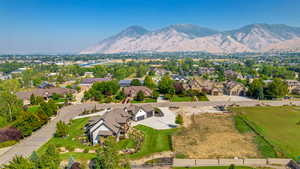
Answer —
213 136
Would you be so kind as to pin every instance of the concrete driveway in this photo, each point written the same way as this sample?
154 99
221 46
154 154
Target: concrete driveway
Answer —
159 123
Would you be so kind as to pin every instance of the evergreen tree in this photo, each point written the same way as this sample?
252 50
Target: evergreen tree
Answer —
61 129
140 96
135 82
148 82
19 162
70 163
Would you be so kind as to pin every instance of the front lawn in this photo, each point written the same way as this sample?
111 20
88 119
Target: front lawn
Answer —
154 141
72 140
146 100
33 108
181 99
279 125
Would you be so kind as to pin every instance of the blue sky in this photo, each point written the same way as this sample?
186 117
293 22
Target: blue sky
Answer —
62 26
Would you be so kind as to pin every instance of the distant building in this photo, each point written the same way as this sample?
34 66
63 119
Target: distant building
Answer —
292 84
233 88
46 85
88 74
45 93
132 91
88 82
126 83
229 74
205 86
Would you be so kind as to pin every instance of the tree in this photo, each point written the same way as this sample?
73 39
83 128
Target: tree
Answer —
70 163
108 156
32 99
166 86
10 105
19 162
11 85
179 119
61 129
50 159
140 96
34 157
120 95
277 89
135 82
149 82
256 89
155 94
231 166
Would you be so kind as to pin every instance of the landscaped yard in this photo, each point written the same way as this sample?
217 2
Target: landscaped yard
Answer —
33 109
154 141
181 99
277 124
72 141
146 100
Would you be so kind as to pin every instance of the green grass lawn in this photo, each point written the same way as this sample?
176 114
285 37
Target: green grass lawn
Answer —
214 167
181 99
154 141
33 108
76 130
146 100
278 125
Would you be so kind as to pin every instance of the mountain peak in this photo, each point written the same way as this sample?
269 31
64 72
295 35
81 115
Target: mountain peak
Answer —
133 31
259 37
190 29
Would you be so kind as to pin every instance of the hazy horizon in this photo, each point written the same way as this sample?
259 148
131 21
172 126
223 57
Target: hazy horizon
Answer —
34 26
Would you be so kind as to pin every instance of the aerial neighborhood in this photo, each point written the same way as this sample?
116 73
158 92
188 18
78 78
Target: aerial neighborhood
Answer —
158 94
177 106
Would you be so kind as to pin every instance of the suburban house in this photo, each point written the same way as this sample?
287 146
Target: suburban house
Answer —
132 91
229 74
161 71
45 85
45 93
88 74
116 122
139 113
126 83
88 82
205 70
233 88
205 86
292 85
179 78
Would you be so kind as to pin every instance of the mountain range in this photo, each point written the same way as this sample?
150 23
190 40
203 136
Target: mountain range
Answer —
193 38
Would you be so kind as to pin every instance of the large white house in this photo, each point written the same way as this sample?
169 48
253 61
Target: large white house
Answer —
116 122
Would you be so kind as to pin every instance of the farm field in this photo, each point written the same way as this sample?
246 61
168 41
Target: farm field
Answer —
279 125
213 136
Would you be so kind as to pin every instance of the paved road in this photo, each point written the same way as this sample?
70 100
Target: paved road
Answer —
37 139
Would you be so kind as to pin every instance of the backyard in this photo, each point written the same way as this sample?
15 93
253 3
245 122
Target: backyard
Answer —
279 125
154 141
75 144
